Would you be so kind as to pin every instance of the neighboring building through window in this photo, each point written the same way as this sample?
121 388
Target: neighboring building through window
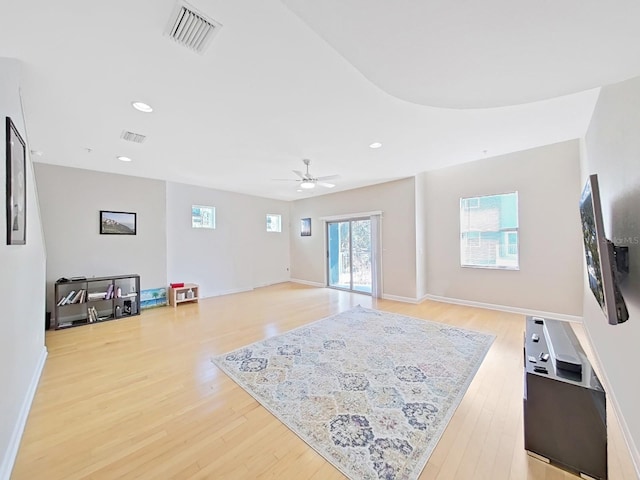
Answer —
203 216
489 231
274 222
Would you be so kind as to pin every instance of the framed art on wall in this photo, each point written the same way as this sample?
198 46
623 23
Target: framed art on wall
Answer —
305 227
16 186
117 223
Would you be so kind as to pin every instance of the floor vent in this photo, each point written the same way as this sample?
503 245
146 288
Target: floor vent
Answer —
191 29
132 137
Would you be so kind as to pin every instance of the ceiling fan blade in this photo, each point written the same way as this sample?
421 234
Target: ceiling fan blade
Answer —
326 185
299 173
328 177
284 180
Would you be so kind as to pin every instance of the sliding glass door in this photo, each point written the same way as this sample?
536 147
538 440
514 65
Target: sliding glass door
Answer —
349 254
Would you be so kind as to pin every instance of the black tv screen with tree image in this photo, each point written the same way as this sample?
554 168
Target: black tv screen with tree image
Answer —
600 256
117 223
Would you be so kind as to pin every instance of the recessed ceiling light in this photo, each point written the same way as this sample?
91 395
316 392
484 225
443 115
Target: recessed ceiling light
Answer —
143 107
375 145
123 159
299 190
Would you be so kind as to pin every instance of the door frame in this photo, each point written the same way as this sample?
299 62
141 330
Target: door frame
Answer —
375 237
326 234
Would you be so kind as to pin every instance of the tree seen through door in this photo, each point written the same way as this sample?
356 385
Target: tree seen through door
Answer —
349 255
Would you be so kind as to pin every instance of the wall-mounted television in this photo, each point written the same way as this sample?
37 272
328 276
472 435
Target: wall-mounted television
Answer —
604 260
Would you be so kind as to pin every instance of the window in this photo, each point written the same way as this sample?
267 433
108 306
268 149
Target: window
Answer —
203 216
274 222
473 239
489 231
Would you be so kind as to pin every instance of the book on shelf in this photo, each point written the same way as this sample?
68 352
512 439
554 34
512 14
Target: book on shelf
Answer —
76 298
68 298
93 314
109 294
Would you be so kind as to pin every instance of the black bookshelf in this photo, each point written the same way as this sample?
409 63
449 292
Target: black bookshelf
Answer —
83 301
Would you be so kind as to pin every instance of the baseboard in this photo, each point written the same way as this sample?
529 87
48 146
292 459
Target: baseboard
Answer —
307 282
398 298
504 308
262 285
241 290
228 292
18 429
612 400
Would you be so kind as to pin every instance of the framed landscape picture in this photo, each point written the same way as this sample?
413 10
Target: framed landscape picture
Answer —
16 186
117 223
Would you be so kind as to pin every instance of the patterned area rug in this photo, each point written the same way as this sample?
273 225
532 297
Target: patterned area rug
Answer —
370 391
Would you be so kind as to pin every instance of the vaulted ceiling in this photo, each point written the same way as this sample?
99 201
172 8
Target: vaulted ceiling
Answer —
436 82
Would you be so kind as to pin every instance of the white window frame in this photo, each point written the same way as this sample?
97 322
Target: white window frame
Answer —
278 223
472 202
502 262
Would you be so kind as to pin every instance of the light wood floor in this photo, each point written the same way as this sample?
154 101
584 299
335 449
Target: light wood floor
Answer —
140 398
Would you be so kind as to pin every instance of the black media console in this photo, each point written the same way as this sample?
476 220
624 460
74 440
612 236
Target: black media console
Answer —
564 402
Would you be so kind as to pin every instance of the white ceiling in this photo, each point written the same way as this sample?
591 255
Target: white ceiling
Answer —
283 81
466 54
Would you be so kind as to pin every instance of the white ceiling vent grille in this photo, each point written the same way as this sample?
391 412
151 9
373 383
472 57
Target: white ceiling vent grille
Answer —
191 29
132 137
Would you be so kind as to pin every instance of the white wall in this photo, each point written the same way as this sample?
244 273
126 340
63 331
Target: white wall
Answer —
396 200
613 152
547 180
239 254
22 291
71 200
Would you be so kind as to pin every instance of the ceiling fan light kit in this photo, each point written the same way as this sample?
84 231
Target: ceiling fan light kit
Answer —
307 181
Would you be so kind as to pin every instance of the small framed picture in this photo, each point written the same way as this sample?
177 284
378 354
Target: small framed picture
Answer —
305 227
16 186
117 223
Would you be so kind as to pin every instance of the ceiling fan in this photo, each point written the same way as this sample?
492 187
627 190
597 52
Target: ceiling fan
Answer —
308 181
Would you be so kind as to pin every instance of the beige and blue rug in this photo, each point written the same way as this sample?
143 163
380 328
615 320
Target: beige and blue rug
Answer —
370 391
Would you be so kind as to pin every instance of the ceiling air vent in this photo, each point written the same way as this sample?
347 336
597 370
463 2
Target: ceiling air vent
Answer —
191 29
132 137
